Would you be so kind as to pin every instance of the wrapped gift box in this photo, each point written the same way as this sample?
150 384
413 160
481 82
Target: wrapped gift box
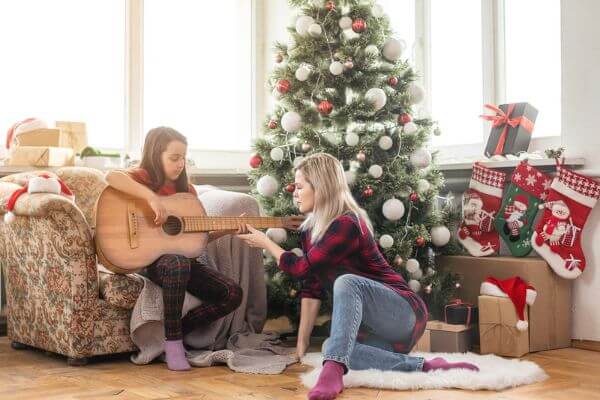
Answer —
497 328
511 128
38 156
549 316
77 133
48 137
458 312
448 338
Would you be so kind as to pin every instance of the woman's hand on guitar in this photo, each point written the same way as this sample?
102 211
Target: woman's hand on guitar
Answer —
254 237
160 212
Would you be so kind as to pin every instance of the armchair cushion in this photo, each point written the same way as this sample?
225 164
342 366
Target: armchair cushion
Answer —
119 290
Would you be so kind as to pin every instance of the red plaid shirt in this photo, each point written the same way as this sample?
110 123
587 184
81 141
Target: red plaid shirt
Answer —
347 247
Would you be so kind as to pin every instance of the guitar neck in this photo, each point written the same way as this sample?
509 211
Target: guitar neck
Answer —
207 224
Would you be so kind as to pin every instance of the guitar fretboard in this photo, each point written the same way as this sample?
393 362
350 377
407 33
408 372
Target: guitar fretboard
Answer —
206 224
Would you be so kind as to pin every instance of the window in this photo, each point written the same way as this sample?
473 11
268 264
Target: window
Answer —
401 14
64 60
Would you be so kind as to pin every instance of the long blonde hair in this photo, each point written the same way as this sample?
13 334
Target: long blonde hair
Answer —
332 195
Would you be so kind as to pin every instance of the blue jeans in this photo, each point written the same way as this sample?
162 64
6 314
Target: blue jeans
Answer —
391 319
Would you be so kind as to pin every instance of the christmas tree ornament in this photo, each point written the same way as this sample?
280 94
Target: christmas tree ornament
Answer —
414 285
359 25
297 161
386 241
290 188
428 289
385 143
267 186
372 50
481 203
272 124
276 154
398 261
528 188
278 58
420 241
393 209
418 274
306 147
392 49
420 158
404 118
325 107
352 139
375 171
368 192
348 65
392 81
293 293
255 161
336 68
283 86
333 137
414 197
276 94
361 156
302 73
345 22
416 93
330 6
440 235
297 251
291 122
412 265
278 235
558 235
423 186
410 128
302 24
315 30
350 177
377 97
377 11
437 131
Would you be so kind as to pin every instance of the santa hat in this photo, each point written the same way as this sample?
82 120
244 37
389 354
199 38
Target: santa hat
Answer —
521 199
27 125
43 183
517 290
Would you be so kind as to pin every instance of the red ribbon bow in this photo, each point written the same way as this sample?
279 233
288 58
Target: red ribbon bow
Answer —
502 118
459 302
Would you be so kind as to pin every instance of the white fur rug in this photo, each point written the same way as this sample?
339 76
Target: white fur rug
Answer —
495 373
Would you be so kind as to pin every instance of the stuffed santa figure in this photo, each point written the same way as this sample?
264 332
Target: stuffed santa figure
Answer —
513 215
27 125
44 183
515 288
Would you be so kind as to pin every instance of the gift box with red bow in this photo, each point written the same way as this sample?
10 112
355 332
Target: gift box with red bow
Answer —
458 312
512 125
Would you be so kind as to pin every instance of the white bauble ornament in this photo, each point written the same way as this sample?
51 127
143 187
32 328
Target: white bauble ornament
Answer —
375 171
372 50
414 285
377 11
392 49
385 143
377 97
420 158
416 93
410 128
423 185
277 95
352 139
315 30
267 186
350 177
276 154
440 235
291 122
297 161
345 22
302 73
393 209
349 34
418 274
278 235
302 24
333 137
336 68
298 251
386 241
412 265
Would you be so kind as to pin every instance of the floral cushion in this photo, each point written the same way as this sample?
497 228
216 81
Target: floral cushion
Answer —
119 290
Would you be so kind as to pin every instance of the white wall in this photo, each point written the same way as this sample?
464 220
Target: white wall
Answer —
580 125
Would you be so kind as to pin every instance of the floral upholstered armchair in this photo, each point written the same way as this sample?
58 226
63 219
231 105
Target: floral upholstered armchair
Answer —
58 299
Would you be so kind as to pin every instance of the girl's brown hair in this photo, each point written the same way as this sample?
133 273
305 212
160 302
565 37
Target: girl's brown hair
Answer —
156 143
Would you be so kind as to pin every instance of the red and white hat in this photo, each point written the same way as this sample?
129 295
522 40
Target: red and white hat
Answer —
44 183
27 125
517 290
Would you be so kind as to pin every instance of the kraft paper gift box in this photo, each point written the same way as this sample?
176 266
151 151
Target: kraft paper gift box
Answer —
38 156
76 131
424 343
46 137
448 338
497 328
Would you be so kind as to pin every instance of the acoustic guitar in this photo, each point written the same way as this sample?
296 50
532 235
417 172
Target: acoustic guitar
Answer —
128 240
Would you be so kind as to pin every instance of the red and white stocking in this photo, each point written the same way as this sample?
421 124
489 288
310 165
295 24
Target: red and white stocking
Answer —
557 237
480 206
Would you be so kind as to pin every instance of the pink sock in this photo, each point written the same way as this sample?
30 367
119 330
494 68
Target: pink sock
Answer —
175 354
440 363
330 383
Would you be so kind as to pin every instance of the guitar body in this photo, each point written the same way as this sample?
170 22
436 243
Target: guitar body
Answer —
128 240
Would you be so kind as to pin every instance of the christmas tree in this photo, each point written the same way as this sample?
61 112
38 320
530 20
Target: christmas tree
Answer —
342 87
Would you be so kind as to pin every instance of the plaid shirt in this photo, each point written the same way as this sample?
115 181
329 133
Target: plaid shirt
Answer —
347 247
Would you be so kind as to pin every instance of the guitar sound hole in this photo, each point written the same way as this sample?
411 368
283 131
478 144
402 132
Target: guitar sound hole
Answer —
172 226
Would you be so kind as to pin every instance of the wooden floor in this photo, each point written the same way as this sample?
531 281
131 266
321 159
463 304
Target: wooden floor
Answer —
29 374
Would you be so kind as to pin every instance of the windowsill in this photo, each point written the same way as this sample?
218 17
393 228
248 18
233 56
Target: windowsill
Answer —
574 162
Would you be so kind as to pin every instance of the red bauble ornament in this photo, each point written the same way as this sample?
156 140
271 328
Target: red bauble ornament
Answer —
404 118
359 25
361 156
306 147
290 188
368 192
393 81
272 124
420 241
255 161
414 197
278 58
330 6
283 86
325 107
398 261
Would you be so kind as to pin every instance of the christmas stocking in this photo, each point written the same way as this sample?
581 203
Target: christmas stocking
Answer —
480 205
557 237
528 188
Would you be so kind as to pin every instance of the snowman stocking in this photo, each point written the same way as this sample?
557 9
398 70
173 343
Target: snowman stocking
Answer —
557 237
528 188
480 205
